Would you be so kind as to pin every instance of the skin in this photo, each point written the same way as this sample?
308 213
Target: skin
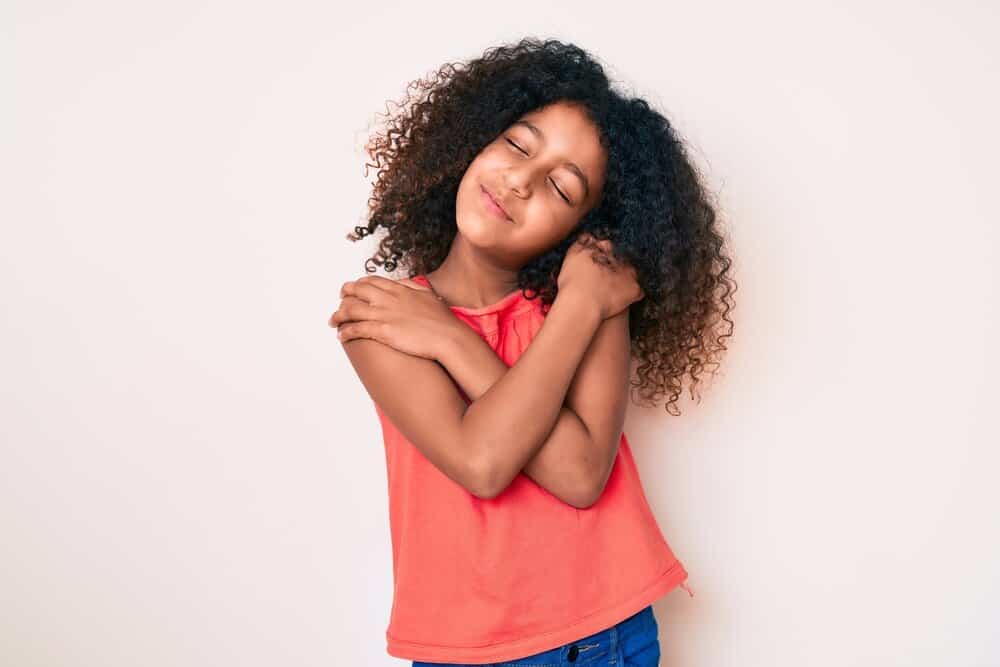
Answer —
486 254
567 390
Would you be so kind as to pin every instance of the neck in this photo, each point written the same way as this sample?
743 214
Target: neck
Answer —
468 279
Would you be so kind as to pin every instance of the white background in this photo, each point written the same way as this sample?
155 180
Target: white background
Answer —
192 474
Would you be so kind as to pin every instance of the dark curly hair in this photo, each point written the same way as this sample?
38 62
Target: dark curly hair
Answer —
654 208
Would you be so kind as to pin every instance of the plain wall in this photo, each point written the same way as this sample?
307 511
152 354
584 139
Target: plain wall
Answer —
192 474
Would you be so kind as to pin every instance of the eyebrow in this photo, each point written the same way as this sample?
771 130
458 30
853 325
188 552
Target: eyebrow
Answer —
570 165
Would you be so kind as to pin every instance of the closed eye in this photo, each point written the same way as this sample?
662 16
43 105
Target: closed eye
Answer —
564 197
516 146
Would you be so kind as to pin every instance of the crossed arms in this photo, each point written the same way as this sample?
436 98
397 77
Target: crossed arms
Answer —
556 415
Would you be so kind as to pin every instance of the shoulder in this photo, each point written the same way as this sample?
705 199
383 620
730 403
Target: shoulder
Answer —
381 367
409 282
413 282
388 283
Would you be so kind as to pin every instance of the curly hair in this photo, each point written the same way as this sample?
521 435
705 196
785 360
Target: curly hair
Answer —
654 208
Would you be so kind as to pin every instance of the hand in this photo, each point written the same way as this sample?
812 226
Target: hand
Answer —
590 268
403 314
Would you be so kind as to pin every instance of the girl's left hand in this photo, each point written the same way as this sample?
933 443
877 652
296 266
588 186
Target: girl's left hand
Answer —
402 314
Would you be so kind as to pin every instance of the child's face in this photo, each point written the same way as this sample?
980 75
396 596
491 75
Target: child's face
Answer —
529 174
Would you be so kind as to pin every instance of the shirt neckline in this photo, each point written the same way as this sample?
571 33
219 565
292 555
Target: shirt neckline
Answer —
504 302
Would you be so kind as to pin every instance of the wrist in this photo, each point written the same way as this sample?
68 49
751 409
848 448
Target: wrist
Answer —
579 302
450 341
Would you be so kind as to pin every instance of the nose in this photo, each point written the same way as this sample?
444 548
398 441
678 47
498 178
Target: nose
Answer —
517 179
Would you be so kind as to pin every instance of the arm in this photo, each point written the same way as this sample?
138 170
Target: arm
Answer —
422 402
575 460
474 445
531 393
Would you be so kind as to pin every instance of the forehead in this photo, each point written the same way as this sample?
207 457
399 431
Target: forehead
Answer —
567 131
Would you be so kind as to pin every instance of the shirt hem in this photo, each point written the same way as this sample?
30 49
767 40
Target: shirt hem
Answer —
520 648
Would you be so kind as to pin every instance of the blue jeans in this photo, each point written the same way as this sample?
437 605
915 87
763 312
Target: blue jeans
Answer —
633 642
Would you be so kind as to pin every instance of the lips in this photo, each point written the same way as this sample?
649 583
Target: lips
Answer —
493 205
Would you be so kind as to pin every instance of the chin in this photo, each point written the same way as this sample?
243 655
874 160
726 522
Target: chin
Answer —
479 230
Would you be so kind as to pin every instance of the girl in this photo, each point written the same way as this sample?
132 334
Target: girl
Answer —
531 203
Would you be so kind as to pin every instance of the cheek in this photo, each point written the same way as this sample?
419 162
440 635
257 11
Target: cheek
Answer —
489 160
546 225
483 163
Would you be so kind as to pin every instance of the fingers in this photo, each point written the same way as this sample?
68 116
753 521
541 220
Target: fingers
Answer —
602 259
588 240
602 252
355 330
413 285
360 298
352 309
379 282
362 285
370 288
603 255
367 289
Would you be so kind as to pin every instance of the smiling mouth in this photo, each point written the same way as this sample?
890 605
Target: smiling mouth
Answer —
492 206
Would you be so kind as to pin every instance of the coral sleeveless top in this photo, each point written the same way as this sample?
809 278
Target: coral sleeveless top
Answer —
480 581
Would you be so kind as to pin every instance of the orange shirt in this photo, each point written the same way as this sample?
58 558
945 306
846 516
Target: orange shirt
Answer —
479 581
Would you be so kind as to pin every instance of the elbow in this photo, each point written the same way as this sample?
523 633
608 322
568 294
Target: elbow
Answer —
484 495
488 483
484 482
586 498
589 489
489 486
490 479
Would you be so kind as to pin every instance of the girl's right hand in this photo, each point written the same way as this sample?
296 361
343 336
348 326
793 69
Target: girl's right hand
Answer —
590 268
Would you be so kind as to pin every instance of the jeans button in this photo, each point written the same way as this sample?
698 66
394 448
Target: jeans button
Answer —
573 652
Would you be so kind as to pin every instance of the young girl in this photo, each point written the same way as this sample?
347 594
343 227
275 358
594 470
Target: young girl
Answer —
553 230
